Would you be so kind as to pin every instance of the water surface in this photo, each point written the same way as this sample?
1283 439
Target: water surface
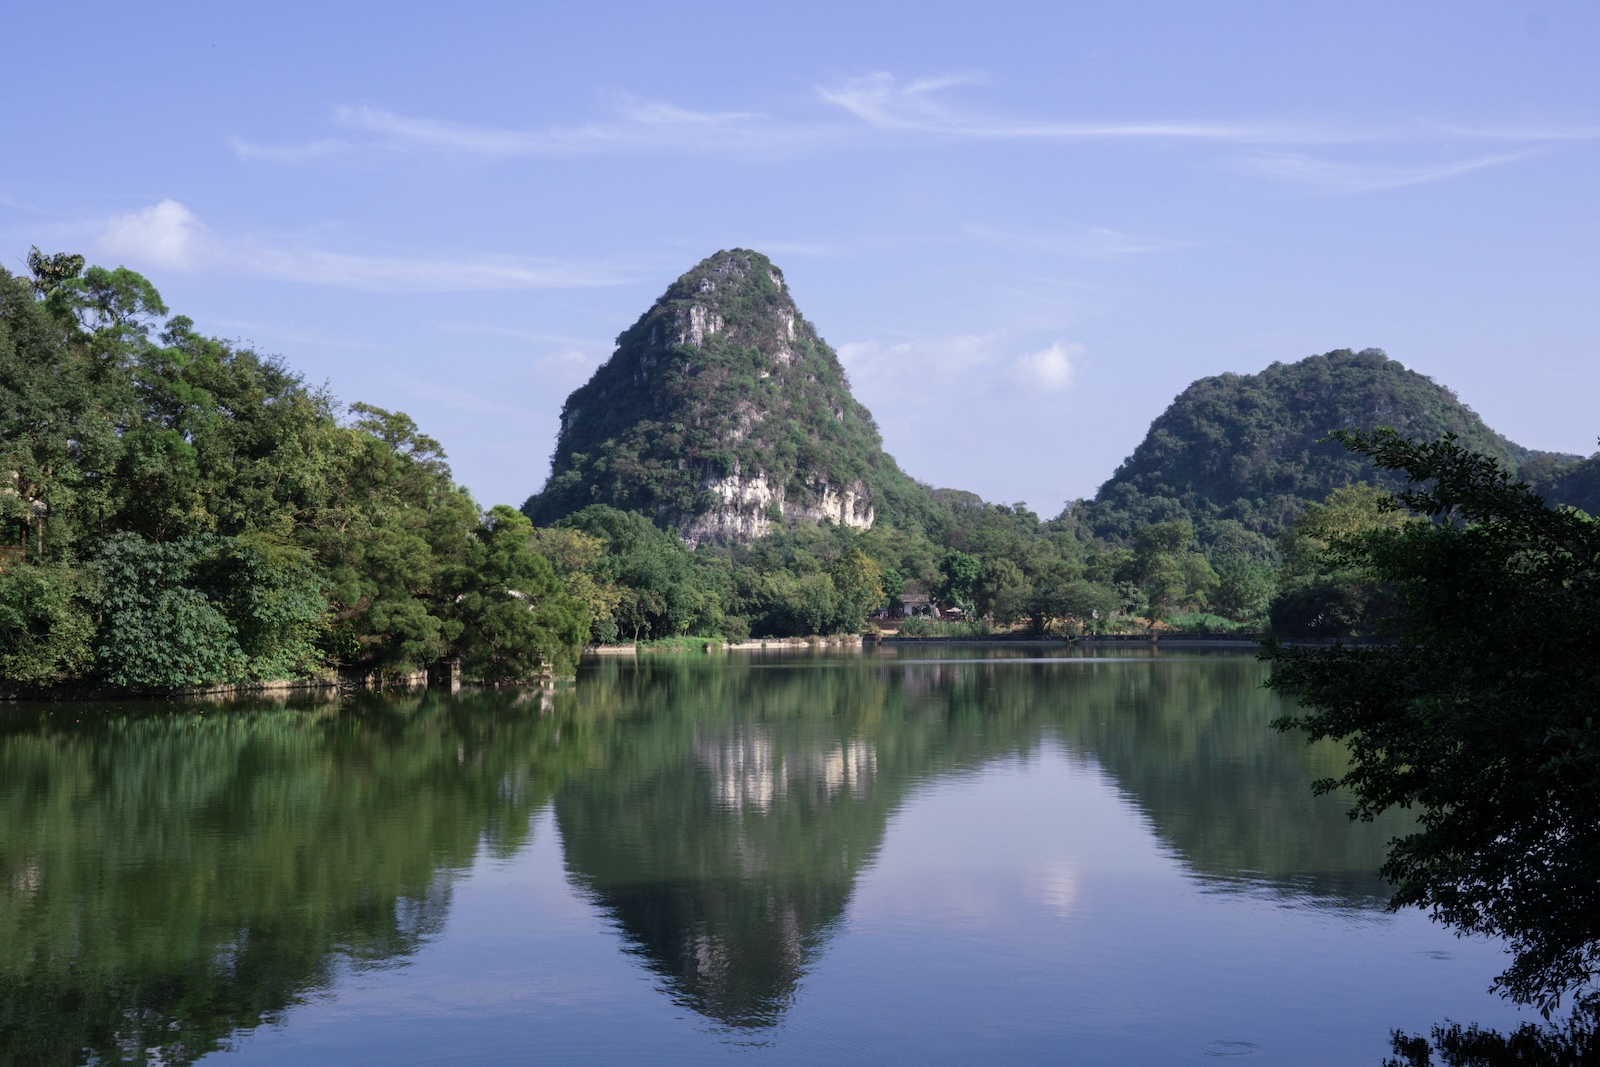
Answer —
918 856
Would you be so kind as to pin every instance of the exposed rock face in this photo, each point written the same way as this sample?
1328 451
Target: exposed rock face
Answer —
748 507
720 413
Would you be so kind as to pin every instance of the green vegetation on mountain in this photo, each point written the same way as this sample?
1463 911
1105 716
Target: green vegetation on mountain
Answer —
720 410
1254 448
177 511
1574 484
722 418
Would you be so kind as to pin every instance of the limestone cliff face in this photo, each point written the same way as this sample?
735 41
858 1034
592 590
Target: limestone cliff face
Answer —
720 413
747 507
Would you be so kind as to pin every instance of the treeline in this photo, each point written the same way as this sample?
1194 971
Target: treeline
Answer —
1000 568
179 511
995 567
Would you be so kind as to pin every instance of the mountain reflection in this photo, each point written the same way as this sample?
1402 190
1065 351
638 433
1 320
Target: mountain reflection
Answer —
722 821
724 814
170 878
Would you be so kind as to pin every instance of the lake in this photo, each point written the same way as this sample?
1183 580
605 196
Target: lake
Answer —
919 855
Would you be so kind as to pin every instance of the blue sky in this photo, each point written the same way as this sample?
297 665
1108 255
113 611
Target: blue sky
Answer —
1025 228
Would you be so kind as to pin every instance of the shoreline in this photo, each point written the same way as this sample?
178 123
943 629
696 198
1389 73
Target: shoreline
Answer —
859 642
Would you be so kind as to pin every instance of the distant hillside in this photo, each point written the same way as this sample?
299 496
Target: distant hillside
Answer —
1250 447
1577 483
720 413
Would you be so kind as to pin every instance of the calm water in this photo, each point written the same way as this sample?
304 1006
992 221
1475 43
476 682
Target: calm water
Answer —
919 857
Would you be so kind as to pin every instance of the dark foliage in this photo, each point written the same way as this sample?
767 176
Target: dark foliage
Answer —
1573 1043
1481 717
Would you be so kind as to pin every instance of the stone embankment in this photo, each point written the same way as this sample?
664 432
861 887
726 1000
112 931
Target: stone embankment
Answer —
761 644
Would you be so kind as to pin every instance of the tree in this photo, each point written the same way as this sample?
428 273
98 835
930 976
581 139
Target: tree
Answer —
1481 715
1161 565
516 620
1090 603
46 630
959 578
1317 596
201 611
1244 588
1003 591
658 592
858 585
573 555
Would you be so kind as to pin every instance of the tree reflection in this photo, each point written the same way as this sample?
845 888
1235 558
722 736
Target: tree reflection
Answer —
172 876
168 879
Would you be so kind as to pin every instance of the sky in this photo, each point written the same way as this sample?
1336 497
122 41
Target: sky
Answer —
1025 228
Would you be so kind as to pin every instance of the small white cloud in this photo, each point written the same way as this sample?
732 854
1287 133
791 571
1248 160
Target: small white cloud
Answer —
166 235
1050 369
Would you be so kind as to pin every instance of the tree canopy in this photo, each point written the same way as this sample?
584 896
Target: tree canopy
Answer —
1481 714
180 511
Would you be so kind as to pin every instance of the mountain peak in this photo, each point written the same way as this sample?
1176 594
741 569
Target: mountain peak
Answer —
1254 448
720 413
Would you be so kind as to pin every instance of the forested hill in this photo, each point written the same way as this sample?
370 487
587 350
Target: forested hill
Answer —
720 413
177 511
1253 448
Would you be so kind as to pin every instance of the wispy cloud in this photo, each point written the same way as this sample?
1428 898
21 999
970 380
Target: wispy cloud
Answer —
18 205
324 148
453 397
925 360
1089 242
880 110
1534 133
491 330
883 101
170 236
961 364
633 124
1363 177
571 360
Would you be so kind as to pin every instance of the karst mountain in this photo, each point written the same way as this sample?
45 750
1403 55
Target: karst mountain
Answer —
721 413
1254 448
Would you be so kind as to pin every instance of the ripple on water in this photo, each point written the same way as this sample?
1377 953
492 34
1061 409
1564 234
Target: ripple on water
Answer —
1230 1048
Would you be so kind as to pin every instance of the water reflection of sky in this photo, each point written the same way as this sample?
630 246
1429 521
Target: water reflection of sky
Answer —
934 860
1024 913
